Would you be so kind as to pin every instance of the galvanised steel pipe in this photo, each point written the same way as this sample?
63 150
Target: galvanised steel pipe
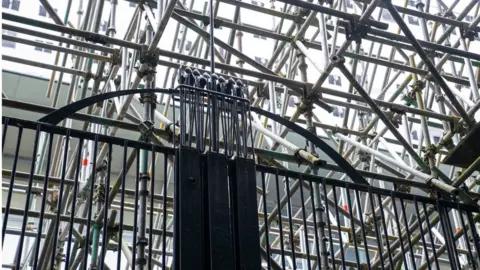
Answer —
56 48
43 65
421 64
433 70
365 18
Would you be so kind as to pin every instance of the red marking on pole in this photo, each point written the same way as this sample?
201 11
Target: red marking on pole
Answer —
345 207
85 162
458 229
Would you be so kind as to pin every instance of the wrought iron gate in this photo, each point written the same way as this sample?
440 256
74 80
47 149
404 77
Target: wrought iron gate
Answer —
217 208
217 223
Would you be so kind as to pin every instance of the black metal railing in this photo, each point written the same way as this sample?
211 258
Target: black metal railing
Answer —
330 223
65 211
62 210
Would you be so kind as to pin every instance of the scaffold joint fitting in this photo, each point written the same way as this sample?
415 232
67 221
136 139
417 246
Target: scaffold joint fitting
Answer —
150 58
96 38
466 33
146 128
354 30
116 57
337 59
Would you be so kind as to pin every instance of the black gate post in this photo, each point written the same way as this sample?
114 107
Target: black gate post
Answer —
245 217
219 232
189 236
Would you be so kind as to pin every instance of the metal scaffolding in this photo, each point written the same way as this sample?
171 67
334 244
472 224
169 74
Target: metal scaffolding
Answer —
331 215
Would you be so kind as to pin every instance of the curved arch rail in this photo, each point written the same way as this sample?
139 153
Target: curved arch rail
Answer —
58 115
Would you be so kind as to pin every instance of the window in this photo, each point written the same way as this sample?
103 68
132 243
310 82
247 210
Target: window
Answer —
11 4
256 3
411 3
222 51
41 49
387 16
414 135
413 20
42 11
8 43
261 60
349 4
436 139
132 4
338 112
291 101
469 18
335 80
260 37
104 26
188 45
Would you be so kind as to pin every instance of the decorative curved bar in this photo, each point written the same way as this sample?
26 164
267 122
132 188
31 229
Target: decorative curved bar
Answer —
64 112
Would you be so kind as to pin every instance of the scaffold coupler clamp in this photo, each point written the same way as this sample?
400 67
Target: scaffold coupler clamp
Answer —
305 107
337 60
417 86
171 130
429 152
116 57
363 156
395 118
146 129
355 30
337 129
298 157
467 33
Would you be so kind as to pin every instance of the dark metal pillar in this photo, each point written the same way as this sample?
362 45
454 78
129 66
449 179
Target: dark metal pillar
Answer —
188 232
244 202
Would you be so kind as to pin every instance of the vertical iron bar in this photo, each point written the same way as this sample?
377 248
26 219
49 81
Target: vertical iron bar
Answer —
59 201
105 208
404 215
43 204
304 217
337 217
93 176
164 218
449 240
152 199
72 209
135 217
430 235
469 248
415 203
476 237
4 133
330 237
397 220
290 223
375 225
10 187
364 233
122 203
354 233
379 197
280 222
265 213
